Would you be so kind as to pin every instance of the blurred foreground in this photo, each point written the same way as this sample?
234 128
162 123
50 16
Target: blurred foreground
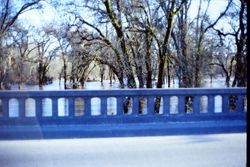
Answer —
223 150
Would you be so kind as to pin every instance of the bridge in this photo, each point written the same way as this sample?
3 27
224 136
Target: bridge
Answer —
124 112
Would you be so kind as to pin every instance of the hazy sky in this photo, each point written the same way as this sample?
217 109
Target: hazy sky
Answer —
39 17
49 14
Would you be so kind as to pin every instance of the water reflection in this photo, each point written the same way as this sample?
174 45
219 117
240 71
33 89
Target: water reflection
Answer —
13 108
218 104
46 107
161 106
143 105
111 106
173 105
204 104
79 106
63 107
30 107
95 106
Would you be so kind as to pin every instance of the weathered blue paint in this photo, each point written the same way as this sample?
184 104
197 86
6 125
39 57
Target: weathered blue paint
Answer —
121 124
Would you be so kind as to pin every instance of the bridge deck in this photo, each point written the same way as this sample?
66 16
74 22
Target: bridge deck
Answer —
223 150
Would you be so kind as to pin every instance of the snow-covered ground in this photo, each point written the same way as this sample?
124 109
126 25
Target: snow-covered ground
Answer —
217 150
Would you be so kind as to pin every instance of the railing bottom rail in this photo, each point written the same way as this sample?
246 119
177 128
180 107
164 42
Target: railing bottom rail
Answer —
122 130
171 127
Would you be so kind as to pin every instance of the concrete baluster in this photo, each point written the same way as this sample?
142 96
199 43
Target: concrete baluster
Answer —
225 104
240 104
135 110
71 107
151 105
181 104
21 107
166 100
54 107
5 107
87 107
196 105
119 106
211 104
39 107
104 106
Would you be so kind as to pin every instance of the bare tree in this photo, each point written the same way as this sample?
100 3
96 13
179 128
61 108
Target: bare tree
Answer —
9 16
63 42
203 25
21 49
5 64
9 13
140 18
181 42
45 54
115 17
170 10
130 36
240 76
238 32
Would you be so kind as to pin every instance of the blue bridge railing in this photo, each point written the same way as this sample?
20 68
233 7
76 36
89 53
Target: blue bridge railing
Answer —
126 112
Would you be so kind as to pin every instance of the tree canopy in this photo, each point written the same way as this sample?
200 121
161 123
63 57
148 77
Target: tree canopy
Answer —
141 43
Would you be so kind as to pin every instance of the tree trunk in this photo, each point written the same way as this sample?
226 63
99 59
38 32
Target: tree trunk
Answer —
140 77
65 73
161 73
240 76
149 79
240 79
168 74
163 55
117 24
148 58
197 75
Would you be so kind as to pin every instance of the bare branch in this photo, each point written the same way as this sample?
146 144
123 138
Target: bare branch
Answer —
8 23
221 15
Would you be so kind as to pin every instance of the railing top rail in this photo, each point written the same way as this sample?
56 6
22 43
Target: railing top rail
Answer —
123 92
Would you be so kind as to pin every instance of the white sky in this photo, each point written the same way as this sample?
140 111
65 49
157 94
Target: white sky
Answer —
48 14
216 7
39 17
